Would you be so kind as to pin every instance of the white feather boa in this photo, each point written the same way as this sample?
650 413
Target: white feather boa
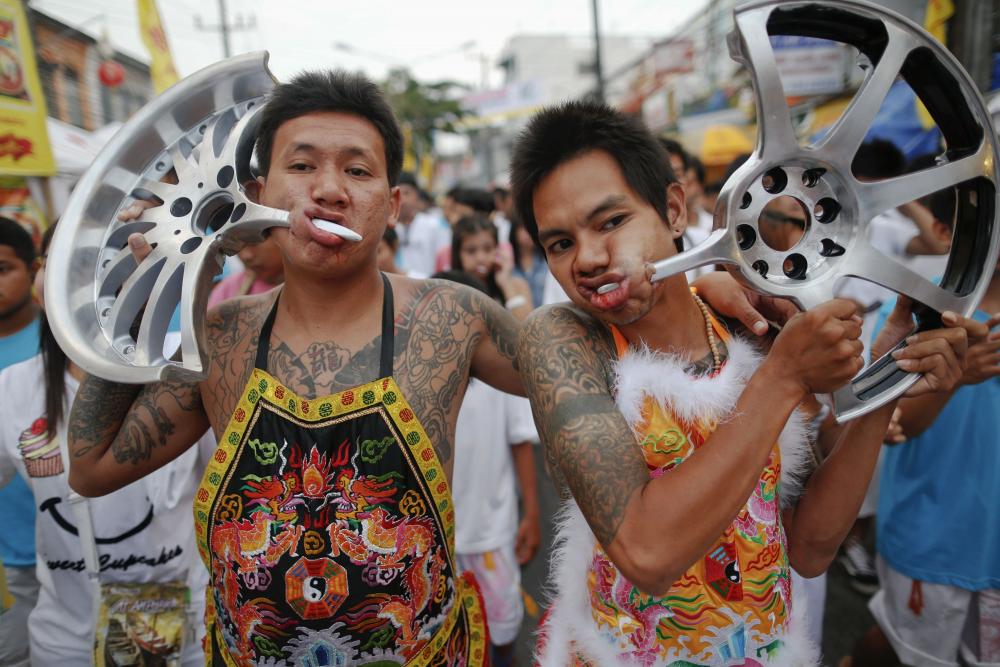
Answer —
640 373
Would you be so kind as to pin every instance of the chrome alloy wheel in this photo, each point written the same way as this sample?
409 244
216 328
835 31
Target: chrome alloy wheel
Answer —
191 150
839 205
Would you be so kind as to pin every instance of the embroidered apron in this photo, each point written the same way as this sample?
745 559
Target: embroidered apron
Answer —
732 606
328 530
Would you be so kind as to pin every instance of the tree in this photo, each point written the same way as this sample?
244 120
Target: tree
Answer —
423 108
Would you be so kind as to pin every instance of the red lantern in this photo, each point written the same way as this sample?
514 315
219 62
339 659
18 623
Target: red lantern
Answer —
111 73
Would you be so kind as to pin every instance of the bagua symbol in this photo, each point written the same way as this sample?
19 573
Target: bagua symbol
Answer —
50 506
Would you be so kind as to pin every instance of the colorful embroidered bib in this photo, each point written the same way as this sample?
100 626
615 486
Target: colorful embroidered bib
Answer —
732 606
328 530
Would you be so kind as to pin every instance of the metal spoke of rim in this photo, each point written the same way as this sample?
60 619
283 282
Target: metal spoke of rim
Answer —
776 136
197 280
159 189
718 248
156 318
880 196
883 270
184 164
133 296
211 162
842 142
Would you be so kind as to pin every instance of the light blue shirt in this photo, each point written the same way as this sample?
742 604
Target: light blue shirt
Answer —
939 499
17 504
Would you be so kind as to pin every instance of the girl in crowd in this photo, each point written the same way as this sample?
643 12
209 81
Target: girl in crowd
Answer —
529 260
100 560
474 250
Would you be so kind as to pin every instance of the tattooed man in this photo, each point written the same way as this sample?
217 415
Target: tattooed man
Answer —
671 434
325 516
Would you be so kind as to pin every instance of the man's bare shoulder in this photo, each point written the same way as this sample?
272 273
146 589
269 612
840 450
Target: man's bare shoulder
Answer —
560 326
234 319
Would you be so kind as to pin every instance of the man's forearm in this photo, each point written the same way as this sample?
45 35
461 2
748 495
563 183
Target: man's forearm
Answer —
834 494
97 414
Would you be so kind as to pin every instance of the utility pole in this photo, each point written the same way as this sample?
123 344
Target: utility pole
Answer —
970 37
224 26
598 68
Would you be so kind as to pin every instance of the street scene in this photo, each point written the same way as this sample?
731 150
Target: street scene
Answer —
564 334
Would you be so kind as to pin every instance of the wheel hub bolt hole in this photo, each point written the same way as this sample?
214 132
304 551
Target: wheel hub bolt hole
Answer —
745 237
795 266
774 180
810 177
826 210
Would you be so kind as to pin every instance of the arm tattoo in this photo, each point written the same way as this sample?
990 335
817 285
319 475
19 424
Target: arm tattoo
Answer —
565 359
148 424
435 339
500 325
97 412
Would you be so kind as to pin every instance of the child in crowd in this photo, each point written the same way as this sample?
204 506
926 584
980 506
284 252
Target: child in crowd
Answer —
262 272
474 249
494 437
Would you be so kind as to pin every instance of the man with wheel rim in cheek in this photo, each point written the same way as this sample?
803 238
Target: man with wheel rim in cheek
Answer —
676 439
325 515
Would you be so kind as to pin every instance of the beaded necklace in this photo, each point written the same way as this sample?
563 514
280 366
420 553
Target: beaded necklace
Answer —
713 344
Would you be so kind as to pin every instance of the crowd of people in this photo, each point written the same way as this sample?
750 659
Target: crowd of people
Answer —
354 482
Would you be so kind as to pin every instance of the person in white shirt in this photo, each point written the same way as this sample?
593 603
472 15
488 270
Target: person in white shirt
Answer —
143 533
421 235
494 437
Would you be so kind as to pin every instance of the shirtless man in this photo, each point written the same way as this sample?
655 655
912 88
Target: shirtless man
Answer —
671 433
325 517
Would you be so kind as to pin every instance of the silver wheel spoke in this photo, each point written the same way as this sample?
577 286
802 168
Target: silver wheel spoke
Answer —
775 134
880 196
163 299
879 268
844 139
133 296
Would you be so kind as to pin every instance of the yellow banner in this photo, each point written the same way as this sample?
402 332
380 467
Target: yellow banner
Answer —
161 66
24 139
936 23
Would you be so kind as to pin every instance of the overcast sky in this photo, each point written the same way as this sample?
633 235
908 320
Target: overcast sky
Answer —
428 36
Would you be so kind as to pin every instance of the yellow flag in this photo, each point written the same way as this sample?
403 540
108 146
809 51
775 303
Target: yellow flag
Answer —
409 157
936 18
24 136
161 67
936 23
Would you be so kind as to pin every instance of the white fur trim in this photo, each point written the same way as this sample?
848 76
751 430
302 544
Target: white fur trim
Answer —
569 626
643 372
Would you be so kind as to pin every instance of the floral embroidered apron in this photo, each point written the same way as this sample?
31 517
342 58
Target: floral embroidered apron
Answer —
328 530
731 607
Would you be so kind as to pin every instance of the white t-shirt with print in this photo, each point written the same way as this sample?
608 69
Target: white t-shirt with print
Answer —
484 489
145 531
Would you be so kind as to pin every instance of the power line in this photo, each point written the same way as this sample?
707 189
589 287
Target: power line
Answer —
224 26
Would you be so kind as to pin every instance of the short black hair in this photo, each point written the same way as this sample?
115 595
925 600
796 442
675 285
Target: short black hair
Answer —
17 237
674 147
462 277
391 237
878 159
558 134
479 200
407 178
330 90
